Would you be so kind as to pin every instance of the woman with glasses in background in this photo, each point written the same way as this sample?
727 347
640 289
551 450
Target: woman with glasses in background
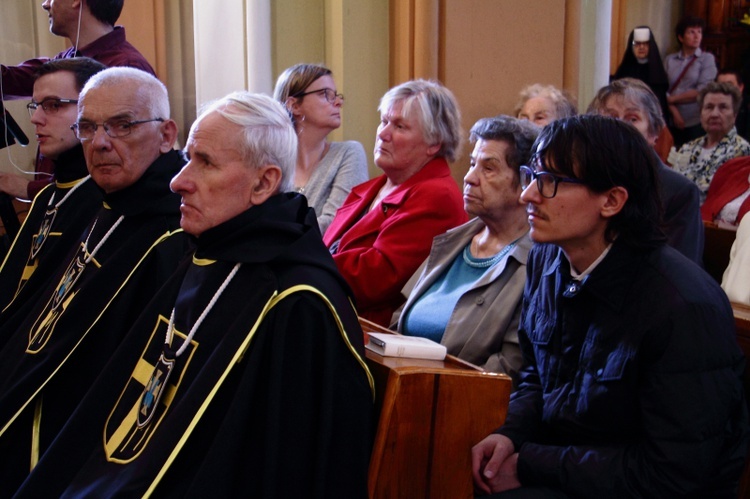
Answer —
326 171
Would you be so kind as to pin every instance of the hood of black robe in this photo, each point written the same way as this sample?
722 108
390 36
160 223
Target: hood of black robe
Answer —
283 230
70 165
150 193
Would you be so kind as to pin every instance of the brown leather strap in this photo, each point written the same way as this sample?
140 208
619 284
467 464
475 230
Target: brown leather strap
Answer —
679 78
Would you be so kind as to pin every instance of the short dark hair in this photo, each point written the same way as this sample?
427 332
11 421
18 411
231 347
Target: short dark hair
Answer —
82 68
604 153
106 11
725 88
737 75
688 22
518 134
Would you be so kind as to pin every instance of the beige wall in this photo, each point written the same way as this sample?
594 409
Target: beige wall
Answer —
493 49
297 33
351 38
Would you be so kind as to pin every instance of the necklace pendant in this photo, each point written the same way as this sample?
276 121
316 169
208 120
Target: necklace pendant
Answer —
155 387
44 229
69 279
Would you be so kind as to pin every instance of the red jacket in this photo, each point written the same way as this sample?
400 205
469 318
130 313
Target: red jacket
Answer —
728 183
381 250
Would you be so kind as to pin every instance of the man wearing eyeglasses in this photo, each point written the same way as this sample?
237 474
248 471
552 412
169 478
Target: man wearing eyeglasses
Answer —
89 26
631 384
54 345
248 360
62 211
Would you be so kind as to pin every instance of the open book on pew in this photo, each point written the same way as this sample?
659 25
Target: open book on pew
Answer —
413 347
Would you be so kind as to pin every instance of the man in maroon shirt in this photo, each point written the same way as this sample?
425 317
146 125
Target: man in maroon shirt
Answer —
89 25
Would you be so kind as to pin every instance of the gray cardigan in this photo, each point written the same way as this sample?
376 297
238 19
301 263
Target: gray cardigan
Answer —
343 167
483 326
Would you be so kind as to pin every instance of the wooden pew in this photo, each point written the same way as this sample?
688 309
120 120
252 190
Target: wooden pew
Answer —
742 323
716 247
431 414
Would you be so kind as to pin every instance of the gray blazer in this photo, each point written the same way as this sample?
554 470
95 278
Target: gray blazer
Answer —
483 327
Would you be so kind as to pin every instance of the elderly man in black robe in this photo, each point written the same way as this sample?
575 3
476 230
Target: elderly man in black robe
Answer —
55 344
245 375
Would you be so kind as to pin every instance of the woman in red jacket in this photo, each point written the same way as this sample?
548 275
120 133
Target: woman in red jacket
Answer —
384 229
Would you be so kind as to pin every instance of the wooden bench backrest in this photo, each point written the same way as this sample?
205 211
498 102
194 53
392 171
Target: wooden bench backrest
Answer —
716 247
431 414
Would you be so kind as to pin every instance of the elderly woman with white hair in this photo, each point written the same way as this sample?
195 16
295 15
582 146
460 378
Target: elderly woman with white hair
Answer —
543 104
384 229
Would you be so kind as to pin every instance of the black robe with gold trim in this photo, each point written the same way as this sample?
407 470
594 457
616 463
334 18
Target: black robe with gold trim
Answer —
271 398
51 358
21 275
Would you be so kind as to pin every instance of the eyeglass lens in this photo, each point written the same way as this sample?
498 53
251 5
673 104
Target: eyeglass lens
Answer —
331 95
49 105
545 182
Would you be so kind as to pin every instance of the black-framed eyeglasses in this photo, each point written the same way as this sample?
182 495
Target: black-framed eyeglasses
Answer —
330 94
85 130
546 182
50 105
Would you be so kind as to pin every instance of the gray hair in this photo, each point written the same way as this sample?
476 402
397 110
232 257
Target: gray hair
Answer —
635 91
725 88
518 134
564 104
437 113
268 137
149 89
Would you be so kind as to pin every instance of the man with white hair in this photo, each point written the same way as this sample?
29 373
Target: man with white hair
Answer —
244 377
57 341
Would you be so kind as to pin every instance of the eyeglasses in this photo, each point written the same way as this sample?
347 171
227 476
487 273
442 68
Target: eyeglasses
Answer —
330 95
85 130
546 182
640 44
50 105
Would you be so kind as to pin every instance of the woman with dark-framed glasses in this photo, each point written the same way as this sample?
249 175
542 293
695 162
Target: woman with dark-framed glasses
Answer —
326 171
631 383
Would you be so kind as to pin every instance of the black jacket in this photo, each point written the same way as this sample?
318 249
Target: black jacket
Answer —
631 385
